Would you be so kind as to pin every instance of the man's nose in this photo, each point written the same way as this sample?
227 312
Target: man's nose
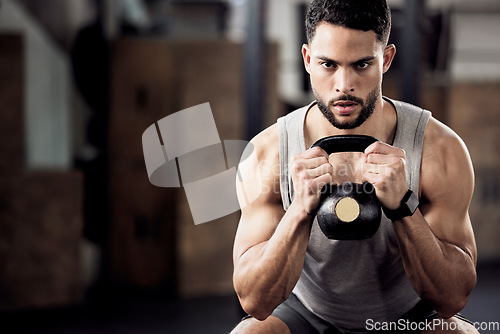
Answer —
344 82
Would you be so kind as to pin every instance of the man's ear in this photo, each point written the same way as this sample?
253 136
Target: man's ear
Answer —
389 52
306 55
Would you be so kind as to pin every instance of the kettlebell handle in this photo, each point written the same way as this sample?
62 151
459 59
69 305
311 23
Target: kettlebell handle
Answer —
345 143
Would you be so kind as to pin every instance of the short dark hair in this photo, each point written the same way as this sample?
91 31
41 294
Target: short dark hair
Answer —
363 15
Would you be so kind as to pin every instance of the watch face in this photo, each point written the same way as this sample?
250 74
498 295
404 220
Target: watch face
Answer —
412 203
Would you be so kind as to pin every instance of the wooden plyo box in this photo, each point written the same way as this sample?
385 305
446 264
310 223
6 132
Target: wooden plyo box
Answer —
142 235
40 236
152 79
142 230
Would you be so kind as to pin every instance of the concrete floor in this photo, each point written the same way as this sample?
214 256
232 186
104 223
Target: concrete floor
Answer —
152 315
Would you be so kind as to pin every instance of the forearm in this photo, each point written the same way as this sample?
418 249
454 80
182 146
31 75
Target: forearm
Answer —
439 271
265 274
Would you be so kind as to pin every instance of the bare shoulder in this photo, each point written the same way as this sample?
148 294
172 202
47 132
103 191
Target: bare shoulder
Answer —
264 162
266 144
446 165
260 162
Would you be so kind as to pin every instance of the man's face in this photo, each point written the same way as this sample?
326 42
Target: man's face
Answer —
346 68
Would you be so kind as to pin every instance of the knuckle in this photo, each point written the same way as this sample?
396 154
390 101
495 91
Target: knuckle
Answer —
297 164
402 163
381 182
399 152
329 169
317 150
392 170
380 146
324 154
392 173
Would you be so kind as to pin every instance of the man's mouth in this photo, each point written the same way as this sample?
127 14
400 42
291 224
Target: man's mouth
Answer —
345 107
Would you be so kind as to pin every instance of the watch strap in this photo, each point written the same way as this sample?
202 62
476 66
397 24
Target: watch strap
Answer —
408 206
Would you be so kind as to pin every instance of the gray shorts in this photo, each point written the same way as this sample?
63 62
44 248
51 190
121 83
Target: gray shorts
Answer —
302 321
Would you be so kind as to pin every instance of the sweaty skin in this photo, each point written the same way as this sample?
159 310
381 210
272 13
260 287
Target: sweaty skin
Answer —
437 243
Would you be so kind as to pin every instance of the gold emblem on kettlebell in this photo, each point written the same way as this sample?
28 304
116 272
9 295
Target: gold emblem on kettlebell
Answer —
347 209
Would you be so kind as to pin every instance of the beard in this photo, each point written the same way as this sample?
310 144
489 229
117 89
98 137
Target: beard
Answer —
367 109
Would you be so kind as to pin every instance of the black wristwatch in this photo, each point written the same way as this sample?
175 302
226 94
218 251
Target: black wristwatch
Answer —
409 205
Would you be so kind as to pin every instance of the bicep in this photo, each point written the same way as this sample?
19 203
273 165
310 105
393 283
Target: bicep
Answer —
447 186
257 225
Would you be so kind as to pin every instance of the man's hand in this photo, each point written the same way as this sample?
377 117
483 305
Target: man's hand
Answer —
310 170
385 169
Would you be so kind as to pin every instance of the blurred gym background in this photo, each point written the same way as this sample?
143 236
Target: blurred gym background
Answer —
88 245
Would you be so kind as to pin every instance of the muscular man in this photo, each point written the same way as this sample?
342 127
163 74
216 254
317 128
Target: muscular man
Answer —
418 266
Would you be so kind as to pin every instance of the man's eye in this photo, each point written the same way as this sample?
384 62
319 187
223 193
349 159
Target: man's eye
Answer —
326 64
363 65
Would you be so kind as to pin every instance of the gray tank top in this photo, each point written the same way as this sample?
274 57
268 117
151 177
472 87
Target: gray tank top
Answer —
347 282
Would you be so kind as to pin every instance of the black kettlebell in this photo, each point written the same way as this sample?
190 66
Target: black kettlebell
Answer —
349 211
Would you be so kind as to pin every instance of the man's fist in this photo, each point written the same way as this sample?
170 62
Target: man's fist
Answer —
385 169
310 170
